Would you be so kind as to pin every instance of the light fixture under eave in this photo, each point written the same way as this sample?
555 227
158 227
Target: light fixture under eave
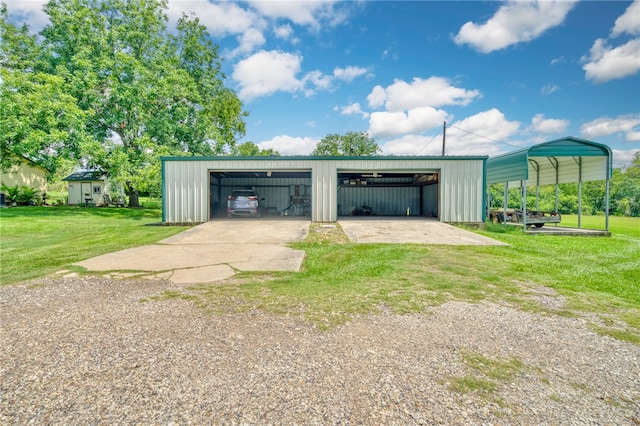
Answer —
269 173
374 175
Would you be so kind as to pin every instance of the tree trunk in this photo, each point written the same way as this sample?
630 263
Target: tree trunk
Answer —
134 197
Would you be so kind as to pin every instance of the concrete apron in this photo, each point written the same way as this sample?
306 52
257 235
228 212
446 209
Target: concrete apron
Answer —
410 230
215 251
210 252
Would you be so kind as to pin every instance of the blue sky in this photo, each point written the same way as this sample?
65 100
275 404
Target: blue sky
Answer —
503 75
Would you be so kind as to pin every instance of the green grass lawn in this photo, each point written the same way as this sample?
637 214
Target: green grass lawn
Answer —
35 241
598 277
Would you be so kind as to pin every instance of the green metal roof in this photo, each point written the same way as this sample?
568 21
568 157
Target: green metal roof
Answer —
558 160
324 158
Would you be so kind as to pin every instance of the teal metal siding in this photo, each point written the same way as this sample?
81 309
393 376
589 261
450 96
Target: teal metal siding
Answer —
568 147
521 165
507 167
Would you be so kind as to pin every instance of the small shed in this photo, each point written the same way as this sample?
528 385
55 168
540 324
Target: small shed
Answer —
565 160
89 187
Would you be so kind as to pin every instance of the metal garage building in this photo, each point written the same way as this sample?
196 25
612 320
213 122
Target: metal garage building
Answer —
451 189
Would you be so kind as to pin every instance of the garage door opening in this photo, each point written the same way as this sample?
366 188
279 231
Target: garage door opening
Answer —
282 193
364 193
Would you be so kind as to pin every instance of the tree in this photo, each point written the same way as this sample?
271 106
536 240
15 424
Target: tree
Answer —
146 91
39 120
250 149
351 144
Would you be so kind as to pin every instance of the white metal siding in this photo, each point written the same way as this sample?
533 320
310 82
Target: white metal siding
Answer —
186 183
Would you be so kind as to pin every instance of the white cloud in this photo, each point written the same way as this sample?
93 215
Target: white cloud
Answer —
310 13
480 137
629 21
514 22
605 126
377 97
485 133
353 109
432 92
623 158
548 89
27 12
559 60
414 145
220 18
267 72
605 63
348 74
393 123
314 81
283 32
539 124
248 42
289 145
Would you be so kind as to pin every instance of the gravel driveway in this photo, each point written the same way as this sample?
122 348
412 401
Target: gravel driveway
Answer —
85 350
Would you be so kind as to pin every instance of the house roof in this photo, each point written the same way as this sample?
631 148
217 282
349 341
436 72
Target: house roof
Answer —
562 160
86 175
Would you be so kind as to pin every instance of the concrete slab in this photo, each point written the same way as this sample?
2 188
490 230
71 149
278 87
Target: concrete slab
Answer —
163 257
213 251
418 231
203 274
243 231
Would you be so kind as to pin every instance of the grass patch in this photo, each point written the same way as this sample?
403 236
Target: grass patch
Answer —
495 369
468 384
487 374
340 280
38 241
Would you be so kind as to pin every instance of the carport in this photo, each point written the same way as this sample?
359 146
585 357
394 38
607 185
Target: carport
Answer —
565 160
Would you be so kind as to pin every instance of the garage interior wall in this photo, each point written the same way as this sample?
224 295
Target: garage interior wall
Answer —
189 190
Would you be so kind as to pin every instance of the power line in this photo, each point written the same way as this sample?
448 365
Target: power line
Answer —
428 142
484 137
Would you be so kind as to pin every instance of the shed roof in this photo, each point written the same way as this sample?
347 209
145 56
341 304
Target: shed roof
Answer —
562 160
86 175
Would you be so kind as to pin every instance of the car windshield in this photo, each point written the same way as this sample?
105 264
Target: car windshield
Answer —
243 194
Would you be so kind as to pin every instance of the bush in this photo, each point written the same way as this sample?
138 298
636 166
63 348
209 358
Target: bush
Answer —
22 195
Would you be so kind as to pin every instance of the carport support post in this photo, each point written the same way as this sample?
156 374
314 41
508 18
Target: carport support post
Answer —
579 192
523 183
606 199
505 202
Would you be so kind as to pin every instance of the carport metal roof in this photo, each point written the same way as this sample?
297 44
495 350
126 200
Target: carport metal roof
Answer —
559 161
565 160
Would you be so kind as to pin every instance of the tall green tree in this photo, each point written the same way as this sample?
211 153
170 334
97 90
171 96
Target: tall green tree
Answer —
147 91
250 149
39 120
350 144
